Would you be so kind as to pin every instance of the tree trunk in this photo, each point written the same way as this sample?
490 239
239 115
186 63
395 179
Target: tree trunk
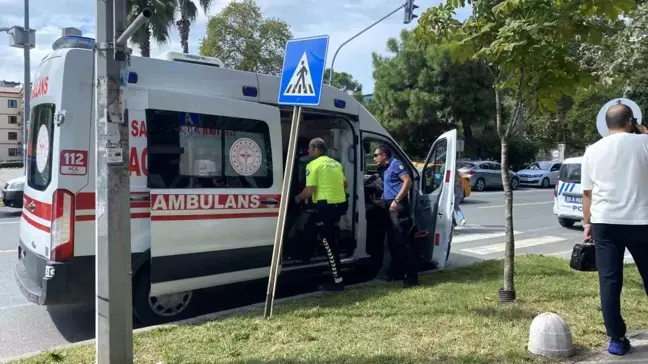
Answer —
183 29
145 46
469 145
508 293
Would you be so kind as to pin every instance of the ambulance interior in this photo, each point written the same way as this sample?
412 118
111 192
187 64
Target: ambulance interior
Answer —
338 136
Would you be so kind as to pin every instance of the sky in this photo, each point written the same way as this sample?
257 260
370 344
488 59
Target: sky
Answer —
339 19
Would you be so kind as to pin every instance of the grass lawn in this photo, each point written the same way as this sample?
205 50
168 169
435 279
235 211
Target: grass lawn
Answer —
454 317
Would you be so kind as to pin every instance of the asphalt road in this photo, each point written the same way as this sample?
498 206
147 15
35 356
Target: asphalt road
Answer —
26 328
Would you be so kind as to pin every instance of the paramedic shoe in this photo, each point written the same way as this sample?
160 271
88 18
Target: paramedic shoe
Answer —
463 222
332 287
619 346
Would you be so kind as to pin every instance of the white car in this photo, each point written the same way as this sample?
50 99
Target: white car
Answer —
542 173
568 195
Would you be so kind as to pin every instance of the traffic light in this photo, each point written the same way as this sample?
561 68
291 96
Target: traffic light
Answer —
409 11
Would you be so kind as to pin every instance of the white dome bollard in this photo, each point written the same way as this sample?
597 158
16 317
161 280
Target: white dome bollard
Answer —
549 336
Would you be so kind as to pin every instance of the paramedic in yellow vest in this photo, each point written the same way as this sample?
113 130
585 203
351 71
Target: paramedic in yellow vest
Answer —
326 185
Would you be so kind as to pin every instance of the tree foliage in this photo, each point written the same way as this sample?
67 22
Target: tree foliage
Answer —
243 39
528 47
158 26
345 82
420 92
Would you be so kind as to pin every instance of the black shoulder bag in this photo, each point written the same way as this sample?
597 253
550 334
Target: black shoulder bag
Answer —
583 257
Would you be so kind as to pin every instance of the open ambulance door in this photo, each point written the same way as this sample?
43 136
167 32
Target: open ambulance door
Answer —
434 207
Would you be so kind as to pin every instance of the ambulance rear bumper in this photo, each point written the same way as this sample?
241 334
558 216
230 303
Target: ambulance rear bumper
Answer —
45 282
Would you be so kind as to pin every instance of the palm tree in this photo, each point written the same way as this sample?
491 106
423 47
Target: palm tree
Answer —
188 12
157 27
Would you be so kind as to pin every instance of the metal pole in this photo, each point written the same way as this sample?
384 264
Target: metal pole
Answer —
27 81
283 207
114 318
355 36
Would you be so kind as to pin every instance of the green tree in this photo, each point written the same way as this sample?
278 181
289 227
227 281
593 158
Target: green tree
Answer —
420 92
157 27
526 45
188 12
345 82
243 39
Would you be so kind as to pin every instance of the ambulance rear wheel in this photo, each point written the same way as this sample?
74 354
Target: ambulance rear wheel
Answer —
566 222
159 309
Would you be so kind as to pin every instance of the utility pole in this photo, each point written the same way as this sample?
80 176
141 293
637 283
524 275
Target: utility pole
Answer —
27 82
114 317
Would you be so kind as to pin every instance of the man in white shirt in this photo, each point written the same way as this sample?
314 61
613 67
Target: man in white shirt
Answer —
614 176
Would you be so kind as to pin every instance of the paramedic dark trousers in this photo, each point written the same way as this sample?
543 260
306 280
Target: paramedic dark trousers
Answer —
401 243
610 242
325 220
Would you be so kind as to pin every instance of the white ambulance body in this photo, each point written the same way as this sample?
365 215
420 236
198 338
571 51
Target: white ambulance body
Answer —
568 195
207 152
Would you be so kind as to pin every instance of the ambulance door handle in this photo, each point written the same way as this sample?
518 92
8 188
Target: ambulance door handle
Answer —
269 202
31 207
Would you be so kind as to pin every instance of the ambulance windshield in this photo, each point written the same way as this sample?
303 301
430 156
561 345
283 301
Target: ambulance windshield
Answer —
39 147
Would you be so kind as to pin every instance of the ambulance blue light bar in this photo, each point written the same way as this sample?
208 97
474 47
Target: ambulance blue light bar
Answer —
132 77
73 41
340 104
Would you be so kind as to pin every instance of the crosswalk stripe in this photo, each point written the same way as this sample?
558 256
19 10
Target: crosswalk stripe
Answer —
525 243
473 237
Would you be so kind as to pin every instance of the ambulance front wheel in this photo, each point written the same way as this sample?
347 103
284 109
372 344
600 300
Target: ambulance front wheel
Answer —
161 309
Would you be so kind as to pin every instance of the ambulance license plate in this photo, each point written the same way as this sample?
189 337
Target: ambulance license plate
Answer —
572 199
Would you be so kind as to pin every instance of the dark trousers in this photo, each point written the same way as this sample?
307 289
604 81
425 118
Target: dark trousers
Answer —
324 222
610 242
400 242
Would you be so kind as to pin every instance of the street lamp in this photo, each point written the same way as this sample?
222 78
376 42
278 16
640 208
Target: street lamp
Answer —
409 16
25 38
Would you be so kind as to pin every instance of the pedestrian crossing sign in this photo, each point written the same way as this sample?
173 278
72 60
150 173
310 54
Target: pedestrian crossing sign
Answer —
302 75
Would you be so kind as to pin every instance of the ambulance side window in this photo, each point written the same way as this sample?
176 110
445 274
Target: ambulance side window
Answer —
190 150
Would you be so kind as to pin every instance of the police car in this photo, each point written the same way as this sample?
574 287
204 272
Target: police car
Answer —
208 147
568 195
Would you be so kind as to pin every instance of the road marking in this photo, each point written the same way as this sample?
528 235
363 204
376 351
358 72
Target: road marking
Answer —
525 243
9 222
16 306
473 237
560 254
9 251
517 204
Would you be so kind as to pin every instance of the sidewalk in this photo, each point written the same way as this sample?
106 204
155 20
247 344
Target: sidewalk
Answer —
638 353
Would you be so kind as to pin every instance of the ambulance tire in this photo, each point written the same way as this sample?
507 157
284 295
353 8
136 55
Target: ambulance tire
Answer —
566 222
142 309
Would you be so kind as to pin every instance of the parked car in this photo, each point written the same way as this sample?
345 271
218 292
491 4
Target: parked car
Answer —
486 174
541 173
465 181
12 192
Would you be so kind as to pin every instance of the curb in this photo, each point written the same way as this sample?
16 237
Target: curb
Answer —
221 314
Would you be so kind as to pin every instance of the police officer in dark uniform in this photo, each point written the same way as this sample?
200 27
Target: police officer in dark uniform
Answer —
397 183
326 185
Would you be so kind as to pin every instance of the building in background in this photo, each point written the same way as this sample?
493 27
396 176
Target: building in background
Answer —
11 124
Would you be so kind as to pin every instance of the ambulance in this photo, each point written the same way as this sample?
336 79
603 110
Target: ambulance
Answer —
568 195
208 147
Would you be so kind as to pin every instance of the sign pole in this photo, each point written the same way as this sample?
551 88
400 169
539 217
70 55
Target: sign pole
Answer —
114 315
302 77
283 207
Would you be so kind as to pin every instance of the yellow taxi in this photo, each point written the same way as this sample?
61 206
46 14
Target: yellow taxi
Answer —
465 180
